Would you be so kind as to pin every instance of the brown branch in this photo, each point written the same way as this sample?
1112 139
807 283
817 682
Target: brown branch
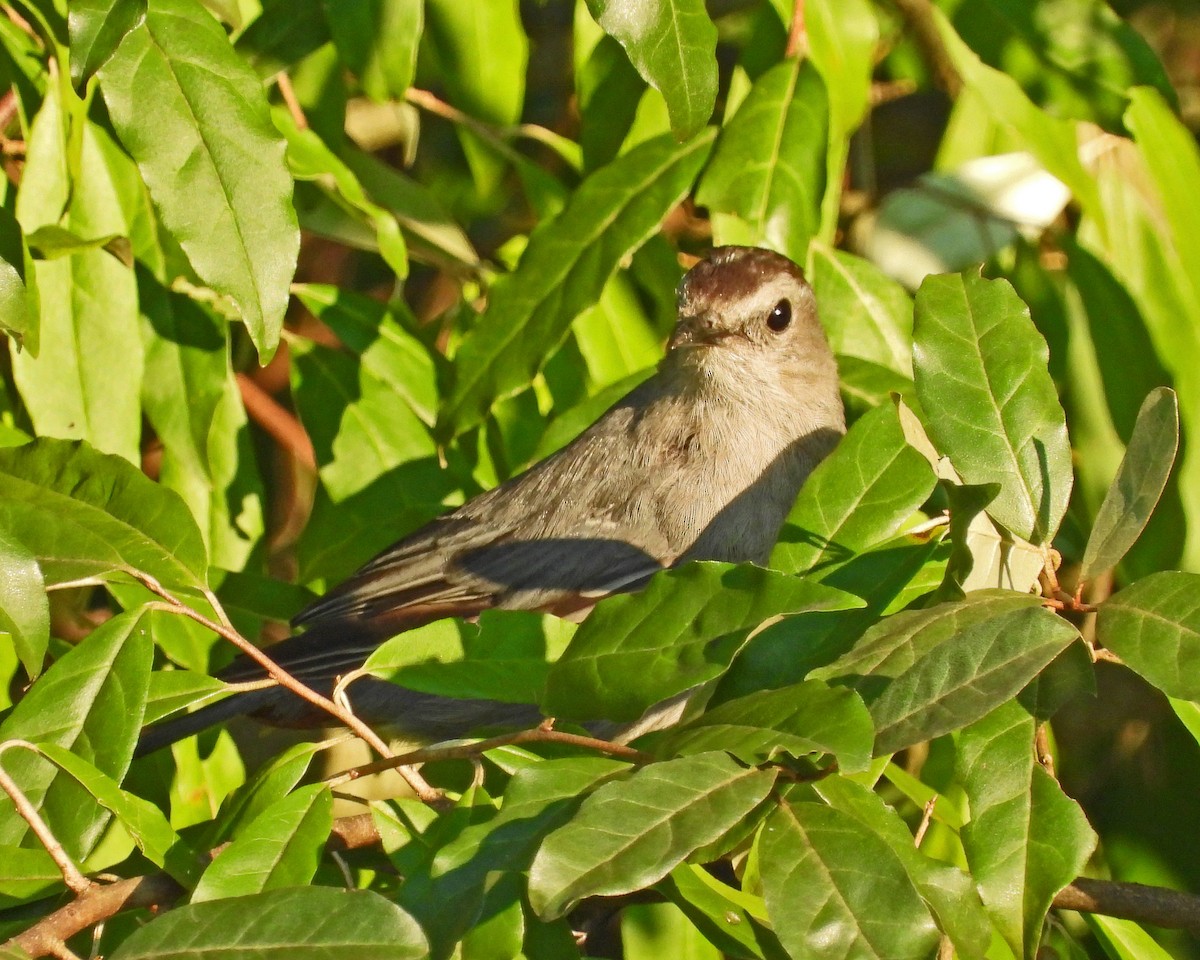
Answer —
797 43
543 733
1158 906
918 15
287 681
280 424
71 874
926 818
1041 745
284 82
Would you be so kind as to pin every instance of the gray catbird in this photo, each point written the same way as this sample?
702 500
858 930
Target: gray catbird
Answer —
700 462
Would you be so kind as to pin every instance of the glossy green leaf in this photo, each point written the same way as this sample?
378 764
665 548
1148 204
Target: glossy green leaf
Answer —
172 690
633 832
857 497
1154 627
923 673
682 629
804 718
96 28
1026 839
281 847
982 380
1139 483
947 891
378 41
309 158
284 33
85 514
88 324
309 923
673 46
824 904
18 286
194 117
731 920
563 270
1124 939
768 166
90 702
506 656
24 608
866 314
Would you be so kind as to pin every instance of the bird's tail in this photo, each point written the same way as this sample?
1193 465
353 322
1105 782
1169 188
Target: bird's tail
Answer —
159 735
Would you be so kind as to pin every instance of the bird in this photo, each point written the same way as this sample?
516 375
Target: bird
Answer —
701 461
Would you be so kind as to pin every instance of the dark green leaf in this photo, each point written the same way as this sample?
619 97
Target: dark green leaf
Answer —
24 609
96 28
857 497
1026 840
821 900
673 46
564 268
194 117
1154 627
800 719
923 673
1138 485
734 922
90 702
632 832
309 923
284 33
18 291
280 847
85 514
682 629
983 382
378 41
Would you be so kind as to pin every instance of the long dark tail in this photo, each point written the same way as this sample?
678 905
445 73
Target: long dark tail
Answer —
160 735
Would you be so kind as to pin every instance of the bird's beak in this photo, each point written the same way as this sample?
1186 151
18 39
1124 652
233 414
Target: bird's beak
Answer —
695 331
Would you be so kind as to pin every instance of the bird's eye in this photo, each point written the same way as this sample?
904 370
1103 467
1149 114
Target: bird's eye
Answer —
780 317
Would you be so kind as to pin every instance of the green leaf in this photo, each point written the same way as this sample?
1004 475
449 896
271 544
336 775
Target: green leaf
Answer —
378 41
24 608
923 673
85 514
683 628
824 904
1154 627
52 241
1026 840
947 891
310 159
90 702
566 265
856 498
88 324
18 286
1139 483
307 923
804 718
982 379
281 847
733 921
866 313
673 45
284 33
96 27
144 821
1124 939
194 117
506 656
632 832
172 690
768 166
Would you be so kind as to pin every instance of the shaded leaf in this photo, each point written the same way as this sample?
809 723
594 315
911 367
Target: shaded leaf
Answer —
768 166
923 673
1154 627
18 286
308 923
682 629
1026 840
857 497
563 270
194 117
824 904
673 46
96 27
1139 483
631 833
982 379
90 702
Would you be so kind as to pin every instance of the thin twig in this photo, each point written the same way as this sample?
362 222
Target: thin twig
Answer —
1158 906
286 680
280 424
72 876
1041 745
797 43
918 14
472 751
926 817
284 82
